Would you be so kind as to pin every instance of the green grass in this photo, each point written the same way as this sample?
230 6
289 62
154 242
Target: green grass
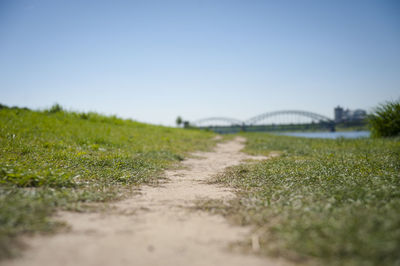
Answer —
54 159
385 121
333 202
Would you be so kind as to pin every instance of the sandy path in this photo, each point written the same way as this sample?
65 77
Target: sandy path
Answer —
154 227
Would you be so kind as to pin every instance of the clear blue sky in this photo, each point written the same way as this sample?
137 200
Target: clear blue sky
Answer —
154 60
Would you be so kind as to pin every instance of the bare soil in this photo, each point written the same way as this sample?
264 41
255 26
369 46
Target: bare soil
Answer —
154 227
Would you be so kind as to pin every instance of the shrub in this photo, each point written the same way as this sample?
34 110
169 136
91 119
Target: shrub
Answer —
55 108
385 121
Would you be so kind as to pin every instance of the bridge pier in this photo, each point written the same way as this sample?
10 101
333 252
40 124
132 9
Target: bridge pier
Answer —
243 127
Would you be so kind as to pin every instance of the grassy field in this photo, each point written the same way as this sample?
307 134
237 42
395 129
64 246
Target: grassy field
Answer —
63 160
332 202
326 201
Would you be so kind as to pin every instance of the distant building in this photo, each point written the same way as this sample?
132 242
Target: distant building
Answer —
338 114
347 115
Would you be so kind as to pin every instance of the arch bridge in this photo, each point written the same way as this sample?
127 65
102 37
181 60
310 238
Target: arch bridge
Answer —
260 122
216 121
313 116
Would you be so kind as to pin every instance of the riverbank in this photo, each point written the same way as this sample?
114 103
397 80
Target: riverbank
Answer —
333 202
56 160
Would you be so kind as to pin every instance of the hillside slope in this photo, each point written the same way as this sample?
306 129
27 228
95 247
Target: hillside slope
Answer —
63 160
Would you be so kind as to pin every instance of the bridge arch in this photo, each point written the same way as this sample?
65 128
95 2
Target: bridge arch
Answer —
313 116
217 121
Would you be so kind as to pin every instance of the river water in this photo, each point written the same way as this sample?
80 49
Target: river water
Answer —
329 135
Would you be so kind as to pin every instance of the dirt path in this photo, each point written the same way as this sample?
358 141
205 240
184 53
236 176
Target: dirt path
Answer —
154 227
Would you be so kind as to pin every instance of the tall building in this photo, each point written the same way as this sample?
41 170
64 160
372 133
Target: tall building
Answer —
338 114
342 115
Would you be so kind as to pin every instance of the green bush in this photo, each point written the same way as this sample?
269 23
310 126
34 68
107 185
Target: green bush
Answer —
385 121
55 108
